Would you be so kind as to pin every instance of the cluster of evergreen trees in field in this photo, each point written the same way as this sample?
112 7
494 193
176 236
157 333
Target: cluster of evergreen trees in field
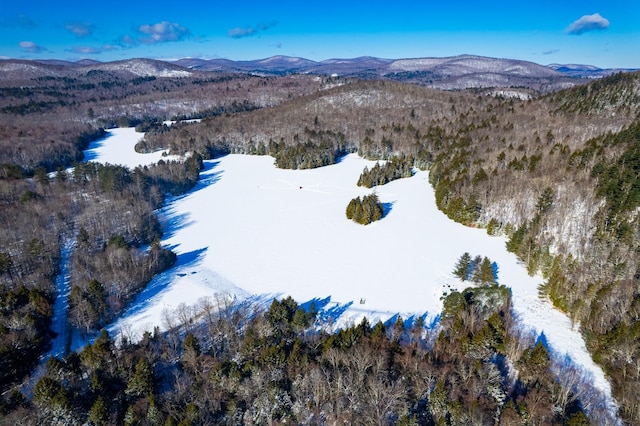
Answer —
306 156
241 366
365 210
398 167
369 208
478 269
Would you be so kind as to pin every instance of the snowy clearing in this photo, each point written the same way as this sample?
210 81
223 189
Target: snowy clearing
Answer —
118 147
250 230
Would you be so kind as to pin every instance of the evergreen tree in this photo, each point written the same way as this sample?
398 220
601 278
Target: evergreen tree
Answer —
142 382
191 344
463 266
486 272
475 269
99 412
352 206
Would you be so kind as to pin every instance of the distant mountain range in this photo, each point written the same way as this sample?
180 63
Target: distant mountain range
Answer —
450 73
367 65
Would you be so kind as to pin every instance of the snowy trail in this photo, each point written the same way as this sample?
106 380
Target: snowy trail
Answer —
250 229
60 322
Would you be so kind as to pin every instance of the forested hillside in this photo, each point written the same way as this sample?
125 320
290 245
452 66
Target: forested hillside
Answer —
48 115
558 175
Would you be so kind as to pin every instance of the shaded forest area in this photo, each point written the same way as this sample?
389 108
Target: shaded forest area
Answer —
557 175
108 212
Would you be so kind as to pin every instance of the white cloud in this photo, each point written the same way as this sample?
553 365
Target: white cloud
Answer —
162 32
87 50
91 50
31 47
80 29
240 32
587 23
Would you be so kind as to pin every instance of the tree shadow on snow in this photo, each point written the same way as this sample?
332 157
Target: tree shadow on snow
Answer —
315 304
386 208
207 175
340 159
172 222
90 153
330 314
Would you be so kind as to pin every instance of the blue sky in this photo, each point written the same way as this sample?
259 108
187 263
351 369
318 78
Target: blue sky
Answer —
601 33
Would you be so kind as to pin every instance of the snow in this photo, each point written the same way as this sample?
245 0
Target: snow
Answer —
250 230
144 68
59 322
118 147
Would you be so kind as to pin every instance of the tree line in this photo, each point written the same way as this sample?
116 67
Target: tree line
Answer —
397 167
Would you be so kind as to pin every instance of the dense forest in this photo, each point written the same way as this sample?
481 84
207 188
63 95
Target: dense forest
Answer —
239 366
557 175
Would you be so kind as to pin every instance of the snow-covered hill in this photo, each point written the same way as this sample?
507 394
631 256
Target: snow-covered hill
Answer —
26 70
470 64
142 68
252 231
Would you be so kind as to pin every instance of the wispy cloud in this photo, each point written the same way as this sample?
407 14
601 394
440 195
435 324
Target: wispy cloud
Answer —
587 23
550 52
31 47
241 32
80 29
162 32
127 41
91 50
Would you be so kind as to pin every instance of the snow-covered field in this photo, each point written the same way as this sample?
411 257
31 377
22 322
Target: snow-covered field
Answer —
118 148
250 230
